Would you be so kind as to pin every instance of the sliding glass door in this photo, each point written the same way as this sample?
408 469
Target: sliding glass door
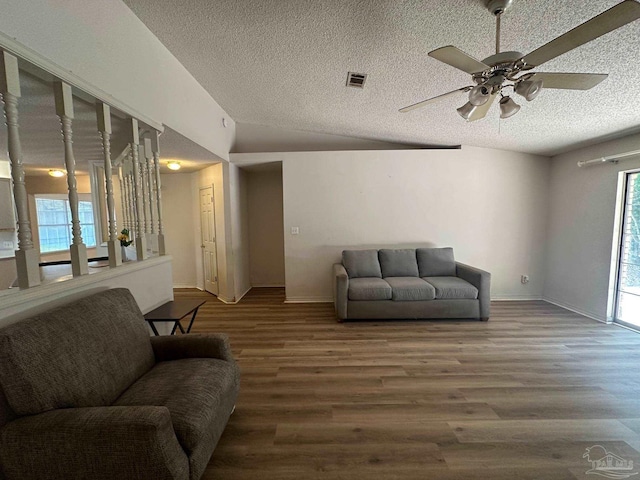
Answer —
628 287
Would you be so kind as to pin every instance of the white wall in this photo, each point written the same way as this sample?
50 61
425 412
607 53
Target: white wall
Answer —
239 231
580 227
266 228
106 50
490 205
180 220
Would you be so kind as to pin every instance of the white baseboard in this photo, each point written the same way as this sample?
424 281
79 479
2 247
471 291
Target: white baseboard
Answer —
185 285
309 300
574 309
514 298
269 285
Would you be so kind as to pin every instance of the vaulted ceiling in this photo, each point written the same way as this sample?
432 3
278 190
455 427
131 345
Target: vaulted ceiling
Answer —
284 63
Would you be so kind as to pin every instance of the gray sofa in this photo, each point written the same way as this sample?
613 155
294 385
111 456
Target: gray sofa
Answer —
87 393
409 283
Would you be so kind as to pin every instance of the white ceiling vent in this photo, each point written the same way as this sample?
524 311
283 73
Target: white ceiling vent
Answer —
356 79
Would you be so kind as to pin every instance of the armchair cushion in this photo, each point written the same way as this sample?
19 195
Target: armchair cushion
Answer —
410 288
398 262
84 354
436 262
452 287
361 263
194 390
369 289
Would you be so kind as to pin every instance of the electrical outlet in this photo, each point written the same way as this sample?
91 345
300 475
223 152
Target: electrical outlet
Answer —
524 279
8 245
295 230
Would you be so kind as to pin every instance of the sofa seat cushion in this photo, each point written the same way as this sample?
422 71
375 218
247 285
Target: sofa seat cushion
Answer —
369 289
398 262
192 389
452 287
410 289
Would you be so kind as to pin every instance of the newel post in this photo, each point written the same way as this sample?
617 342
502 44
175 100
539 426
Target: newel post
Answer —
103 113
27 257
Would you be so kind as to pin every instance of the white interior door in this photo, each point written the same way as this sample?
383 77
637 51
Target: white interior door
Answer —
208 245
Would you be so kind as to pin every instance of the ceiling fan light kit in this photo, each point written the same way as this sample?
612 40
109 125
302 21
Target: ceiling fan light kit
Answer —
529 89
479 95
466 110
508 107
512 69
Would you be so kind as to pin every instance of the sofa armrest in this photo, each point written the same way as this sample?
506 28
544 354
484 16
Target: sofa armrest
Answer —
340 290
482 281
175 347
100 443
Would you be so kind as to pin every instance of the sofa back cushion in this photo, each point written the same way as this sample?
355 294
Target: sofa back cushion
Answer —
436 262
398 262
83 354
361 263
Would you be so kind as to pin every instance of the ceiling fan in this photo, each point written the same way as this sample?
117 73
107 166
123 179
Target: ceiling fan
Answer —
506 70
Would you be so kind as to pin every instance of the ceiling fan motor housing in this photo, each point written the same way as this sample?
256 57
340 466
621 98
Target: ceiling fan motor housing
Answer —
498 7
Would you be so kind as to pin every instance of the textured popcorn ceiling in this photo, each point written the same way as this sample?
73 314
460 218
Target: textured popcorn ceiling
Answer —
284 63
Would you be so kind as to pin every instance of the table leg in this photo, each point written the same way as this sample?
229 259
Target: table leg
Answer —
153 327
175 325
193 317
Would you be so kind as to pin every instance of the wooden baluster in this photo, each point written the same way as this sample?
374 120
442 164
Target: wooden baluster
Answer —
103 112
27 257
64 110
141 241
155 148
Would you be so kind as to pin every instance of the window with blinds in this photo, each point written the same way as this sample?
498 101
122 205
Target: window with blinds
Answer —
54 224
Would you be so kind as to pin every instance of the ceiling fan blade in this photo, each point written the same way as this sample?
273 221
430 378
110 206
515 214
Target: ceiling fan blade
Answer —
433 99
457 58
615 17
482 110
570 81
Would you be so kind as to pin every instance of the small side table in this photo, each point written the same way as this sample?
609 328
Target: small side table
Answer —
174 312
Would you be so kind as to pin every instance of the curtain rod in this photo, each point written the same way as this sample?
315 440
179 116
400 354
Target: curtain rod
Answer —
610 159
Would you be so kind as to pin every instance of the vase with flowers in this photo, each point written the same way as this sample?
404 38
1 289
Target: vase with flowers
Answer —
125 241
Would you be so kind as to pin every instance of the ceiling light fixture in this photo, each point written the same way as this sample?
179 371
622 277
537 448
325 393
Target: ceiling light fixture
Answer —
479 95
56 173
508 108
466 110
529 89
173 165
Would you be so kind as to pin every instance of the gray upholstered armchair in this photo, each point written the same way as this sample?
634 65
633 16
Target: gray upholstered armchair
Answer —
86 393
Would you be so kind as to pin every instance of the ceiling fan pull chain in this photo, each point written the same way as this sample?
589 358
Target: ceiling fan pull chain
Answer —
498 15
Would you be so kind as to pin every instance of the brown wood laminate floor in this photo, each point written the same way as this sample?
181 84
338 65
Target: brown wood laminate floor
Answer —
519 397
